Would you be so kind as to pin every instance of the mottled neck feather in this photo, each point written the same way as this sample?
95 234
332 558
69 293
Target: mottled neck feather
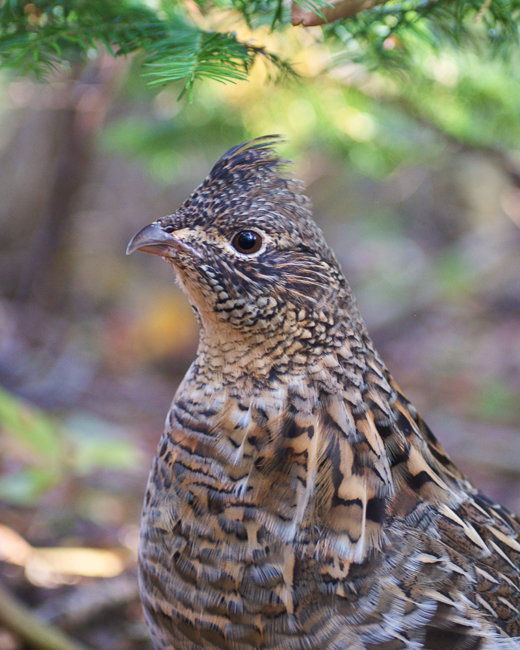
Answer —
318 434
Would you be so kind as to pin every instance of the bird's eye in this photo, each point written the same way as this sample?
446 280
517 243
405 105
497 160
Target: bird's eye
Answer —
247 242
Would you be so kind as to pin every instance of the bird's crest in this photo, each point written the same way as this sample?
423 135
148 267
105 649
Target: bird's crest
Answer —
243 165
244 161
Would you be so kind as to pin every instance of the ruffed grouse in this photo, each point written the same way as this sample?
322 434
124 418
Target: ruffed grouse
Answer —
297 501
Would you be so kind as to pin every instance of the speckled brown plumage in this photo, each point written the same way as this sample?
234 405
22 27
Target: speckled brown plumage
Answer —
297 501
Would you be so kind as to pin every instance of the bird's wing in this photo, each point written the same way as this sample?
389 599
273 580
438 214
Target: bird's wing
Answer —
480 536
443 571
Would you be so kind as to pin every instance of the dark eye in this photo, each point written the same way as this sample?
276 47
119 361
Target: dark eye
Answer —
247 241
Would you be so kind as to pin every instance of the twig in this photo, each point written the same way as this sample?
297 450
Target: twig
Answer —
485 6
19 619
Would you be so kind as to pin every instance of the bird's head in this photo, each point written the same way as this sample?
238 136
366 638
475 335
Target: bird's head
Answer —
245 247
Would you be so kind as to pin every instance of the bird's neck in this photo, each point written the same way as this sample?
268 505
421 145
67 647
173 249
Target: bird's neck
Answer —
291 434
322 443
296 340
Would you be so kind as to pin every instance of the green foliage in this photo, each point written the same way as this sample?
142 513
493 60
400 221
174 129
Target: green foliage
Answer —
96 444
33 429
40 35
194 54
373 138
495 400
39 453
36 36
391 33
271 12
473 100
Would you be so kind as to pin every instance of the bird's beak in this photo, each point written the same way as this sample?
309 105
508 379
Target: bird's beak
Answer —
156 241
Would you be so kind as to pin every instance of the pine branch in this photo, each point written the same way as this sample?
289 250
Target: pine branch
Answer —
391 33
38 36
195 54
44 34
378 33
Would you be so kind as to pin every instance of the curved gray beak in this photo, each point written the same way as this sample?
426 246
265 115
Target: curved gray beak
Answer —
154 240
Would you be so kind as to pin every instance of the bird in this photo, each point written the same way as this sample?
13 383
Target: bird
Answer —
297 500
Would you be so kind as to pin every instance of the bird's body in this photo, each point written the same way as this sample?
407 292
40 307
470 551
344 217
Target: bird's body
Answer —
297 501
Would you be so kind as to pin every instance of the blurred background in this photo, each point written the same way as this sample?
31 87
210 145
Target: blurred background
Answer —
415 182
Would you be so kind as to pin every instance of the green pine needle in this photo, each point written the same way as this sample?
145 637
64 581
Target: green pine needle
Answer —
36 37
44 34
388 34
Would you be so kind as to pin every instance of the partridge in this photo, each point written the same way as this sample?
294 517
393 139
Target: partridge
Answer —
297 500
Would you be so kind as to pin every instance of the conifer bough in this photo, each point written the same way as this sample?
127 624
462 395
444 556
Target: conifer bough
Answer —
44 34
